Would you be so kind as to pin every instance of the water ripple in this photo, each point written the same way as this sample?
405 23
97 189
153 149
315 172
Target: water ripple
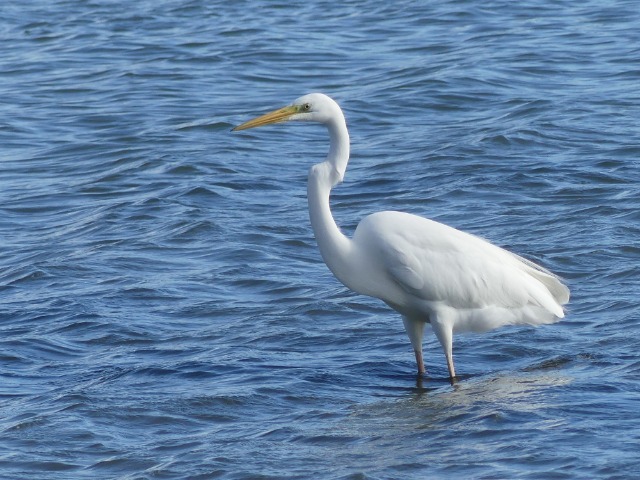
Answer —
165 311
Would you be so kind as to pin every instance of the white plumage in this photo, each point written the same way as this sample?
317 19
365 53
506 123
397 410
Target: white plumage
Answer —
427 271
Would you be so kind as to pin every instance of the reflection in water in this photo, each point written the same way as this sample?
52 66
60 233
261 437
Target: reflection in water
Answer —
510 392
477 410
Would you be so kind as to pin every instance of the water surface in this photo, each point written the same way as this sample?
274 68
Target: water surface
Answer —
164 310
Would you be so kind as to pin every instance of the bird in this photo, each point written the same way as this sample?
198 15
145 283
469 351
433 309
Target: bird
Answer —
427 271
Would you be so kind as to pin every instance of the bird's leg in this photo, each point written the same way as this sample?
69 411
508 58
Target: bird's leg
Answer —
452 370
420 362
415 330
445 335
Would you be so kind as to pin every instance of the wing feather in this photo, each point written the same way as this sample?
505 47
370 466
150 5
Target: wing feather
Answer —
437 263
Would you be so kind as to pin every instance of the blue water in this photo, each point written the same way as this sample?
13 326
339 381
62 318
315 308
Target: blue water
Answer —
164 311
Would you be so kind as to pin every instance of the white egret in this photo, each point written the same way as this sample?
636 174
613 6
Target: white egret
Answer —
427 271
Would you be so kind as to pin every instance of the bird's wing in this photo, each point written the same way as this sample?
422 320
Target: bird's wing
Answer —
437 263
404 267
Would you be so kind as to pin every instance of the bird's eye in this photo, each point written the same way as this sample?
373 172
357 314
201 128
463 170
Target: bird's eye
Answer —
306 107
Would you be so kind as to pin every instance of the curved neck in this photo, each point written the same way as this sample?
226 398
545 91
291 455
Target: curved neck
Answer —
338 155
334 246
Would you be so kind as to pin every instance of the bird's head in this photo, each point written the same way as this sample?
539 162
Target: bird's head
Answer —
314 107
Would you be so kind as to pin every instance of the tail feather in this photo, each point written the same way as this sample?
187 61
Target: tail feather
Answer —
558 290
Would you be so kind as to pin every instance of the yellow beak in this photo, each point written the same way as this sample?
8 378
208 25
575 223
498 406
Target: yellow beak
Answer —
277 116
